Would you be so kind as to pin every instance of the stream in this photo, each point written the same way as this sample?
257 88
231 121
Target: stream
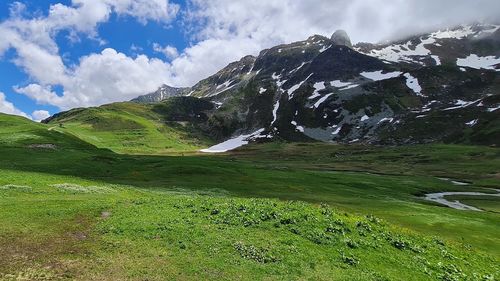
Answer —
440 198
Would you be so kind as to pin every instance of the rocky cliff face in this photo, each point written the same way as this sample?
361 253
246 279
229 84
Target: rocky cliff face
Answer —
164 92
442 86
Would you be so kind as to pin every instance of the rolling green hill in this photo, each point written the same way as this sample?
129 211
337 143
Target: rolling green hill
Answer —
131 128
19 132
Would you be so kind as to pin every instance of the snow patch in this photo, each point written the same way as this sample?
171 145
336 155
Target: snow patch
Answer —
412 83
461 104
217 104
279 82
472 123
436 59
299 67
477 62
297 127
324 48
233 143
459 33
275 111
224 85
493 108
385 119
349 87
219 92
403 52
297 86
378 75
339 84
262 90
321 100
319 86
364 118
336 132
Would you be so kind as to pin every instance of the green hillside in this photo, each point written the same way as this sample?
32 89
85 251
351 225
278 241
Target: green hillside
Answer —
131 128
18 132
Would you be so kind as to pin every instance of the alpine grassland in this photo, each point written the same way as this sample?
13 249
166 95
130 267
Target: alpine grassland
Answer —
71 209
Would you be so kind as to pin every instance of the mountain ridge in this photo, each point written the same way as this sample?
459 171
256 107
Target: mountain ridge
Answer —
435 87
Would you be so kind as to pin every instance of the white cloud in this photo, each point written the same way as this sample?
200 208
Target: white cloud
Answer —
207 57
144 10
9 108
103 78
111 76
98 78
41 94
168 51
39 115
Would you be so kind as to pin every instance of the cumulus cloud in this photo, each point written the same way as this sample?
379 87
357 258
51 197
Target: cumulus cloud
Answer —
41 94
168 51
144 10
39 115
9 108
102 78
98 78
207 57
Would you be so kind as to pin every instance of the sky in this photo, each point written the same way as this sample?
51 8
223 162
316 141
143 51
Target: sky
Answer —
60 54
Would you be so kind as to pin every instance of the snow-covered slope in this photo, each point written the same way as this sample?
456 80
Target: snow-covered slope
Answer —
461 44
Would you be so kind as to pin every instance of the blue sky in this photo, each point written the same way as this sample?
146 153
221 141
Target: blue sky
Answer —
123 33
59 54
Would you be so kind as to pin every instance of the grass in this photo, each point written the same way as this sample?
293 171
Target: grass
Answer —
75 211
129 128
131 233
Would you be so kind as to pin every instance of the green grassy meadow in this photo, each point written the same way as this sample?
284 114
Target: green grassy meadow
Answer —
76 209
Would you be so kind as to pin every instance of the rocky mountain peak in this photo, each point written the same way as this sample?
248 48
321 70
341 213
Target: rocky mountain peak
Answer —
340 37
165 91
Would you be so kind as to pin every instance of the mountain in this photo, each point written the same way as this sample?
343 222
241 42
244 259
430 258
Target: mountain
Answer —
442 86
474 46
164 92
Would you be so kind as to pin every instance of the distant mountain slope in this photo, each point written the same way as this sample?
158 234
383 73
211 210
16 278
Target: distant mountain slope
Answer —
473 46
130 128
164 92
441 86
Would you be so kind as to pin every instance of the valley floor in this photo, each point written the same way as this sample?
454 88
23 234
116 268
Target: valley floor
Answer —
91 214
276 211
